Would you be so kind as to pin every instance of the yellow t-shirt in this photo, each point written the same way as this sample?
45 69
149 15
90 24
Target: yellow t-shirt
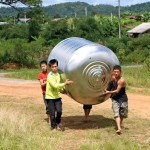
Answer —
53 86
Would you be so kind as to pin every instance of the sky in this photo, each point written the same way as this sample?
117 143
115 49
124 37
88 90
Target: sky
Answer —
93 2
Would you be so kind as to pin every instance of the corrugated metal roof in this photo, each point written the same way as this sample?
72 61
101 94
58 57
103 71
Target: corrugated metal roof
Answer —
141 28
24 19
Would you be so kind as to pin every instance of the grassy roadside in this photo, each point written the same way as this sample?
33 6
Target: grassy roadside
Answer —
141 91
27 74
23 127
137 77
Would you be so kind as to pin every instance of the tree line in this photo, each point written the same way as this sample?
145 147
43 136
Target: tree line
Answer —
27 44
78 8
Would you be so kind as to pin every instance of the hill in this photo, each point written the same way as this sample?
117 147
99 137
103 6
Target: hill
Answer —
71 9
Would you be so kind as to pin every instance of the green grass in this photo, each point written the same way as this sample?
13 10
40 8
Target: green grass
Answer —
27 74
137 79
8 70
137 76
22 127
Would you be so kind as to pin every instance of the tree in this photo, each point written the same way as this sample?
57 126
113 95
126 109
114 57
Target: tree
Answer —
86 28
25 2
55 32
28 3
36 14
34 30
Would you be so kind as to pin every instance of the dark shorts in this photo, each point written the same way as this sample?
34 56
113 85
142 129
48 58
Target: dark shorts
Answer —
87 106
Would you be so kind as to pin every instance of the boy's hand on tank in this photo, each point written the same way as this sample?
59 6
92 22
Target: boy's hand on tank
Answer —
63 91
68 82
106 92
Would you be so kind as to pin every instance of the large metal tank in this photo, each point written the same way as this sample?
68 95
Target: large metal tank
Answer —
88 64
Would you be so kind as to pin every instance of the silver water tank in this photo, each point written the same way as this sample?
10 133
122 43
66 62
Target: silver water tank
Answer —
88 64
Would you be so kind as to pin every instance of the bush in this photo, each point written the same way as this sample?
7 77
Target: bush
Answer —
16 31
21 52
115 44
55 32
141 43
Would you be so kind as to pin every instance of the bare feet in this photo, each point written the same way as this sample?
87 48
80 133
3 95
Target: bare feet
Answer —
60 127
118 132
86 119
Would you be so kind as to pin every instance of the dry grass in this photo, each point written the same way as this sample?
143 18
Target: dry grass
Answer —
23 126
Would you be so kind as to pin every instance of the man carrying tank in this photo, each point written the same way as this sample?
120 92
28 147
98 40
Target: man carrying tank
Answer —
119 97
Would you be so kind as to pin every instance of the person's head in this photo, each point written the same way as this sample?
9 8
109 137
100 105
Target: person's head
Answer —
117 71
43 65
53 64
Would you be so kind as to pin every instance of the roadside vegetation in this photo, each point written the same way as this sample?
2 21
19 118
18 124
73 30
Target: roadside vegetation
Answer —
137 79
137 76
27 44
25 73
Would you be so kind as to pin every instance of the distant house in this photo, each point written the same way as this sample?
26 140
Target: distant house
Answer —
2 23
143 28
23 20
131 17
57 19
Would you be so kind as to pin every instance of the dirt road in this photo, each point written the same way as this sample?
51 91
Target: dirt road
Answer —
139 105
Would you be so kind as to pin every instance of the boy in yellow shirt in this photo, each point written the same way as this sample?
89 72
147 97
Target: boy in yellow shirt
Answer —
53 87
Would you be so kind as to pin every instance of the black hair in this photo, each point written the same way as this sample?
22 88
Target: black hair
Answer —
117 67
43 62
52 62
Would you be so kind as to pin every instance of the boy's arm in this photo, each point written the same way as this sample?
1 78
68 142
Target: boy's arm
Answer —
53 83
42 82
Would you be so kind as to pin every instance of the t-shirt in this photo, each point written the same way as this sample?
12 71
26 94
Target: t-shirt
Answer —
53 86
43 76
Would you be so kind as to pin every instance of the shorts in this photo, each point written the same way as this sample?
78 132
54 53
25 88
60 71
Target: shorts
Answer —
87 106
120 109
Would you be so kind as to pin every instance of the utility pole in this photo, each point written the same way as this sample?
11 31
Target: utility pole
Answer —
111 17
14 20
75 14
25 18
86 11
119 19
